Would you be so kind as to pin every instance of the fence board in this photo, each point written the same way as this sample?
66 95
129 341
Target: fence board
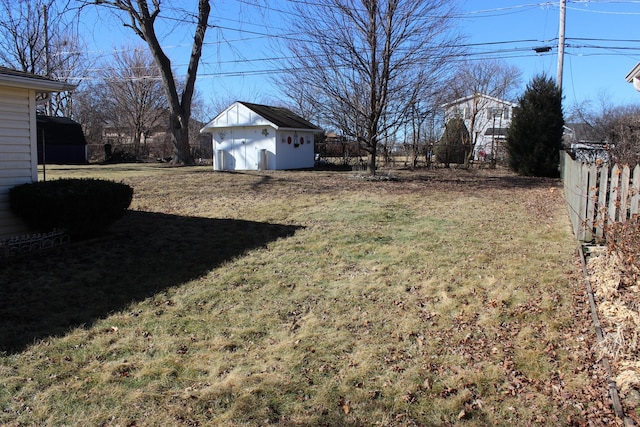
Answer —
592 194
603 192
581 206
598 195
635 196
614 193
624 193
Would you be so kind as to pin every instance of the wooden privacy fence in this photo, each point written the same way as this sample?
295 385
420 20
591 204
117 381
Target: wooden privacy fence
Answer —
598 194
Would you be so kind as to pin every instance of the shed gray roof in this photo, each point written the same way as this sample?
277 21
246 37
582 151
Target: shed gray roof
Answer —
280 116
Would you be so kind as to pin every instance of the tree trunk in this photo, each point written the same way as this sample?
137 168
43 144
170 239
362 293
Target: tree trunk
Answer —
372 156
142 23
467 157
180 135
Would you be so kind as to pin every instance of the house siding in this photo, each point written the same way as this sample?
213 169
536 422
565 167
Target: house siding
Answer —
18 157
484 126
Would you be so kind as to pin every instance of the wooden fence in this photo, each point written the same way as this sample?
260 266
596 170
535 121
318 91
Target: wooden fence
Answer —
598 194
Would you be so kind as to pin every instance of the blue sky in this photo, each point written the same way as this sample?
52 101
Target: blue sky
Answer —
602 45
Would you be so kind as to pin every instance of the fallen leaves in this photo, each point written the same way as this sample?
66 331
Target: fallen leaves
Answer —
618 304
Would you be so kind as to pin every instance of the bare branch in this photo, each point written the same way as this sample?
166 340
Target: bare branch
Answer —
143 20
367 63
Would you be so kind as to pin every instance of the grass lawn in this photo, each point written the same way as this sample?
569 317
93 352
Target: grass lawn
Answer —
443 297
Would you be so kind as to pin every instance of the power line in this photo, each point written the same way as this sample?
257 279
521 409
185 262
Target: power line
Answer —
521 48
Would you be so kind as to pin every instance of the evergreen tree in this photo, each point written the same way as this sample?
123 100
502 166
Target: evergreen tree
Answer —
534 138
454 144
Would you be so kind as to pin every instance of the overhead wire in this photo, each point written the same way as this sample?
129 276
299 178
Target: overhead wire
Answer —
525 49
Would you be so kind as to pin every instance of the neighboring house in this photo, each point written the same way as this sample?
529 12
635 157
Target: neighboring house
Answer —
20 93
487 119
258 137
634 76
61 141
582 142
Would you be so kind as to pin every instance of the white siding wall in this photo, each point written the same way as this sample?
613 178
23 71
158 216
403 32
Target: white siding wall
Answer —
241 146
296 155
239 115
483 119
18 156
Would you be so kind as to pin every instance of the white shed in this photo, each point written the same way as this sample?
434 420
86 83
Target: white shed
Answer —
19 94
259 137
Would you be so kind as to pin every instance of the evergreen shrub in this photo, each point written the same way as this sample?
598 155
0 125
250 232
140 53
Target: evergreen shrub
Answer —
454 145
534 139
84 207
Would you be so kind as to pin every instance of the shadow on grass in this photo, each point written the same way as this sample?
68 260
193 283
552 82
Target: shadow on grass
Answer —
144 253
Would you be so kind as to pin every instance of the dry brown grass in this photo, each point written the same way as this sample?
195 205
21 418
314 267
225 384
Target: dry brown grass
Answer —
307 298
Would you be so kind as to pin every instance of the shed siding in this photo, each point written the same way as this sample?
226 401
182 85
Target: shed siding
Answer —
18 162
239 115
296 155
241 147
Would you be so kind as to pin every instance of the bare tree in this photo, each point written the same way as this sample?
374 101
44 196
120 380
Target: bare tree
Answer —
367 62
135 94
420 130
89 102
39 37
142 16
479 80
616 125
623 129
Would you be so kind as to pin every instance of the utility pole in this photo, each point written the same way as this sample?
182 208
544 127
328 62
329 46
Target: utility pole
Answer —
47 64
563 13
45 13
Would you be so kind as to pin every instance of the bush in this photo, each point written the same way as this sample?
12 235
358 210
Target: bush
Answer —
120 155
84 207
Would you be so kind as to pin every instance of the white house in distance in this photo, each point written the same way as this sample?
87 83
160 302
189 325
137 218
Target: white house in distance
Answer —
259 137
20 93
487 119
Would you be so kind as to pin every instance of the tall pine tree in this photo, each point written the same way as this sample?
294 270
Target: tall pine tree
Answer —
534 138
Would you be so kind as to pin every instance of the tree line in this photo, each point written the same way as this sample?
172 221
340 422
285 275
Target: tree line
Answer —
375 72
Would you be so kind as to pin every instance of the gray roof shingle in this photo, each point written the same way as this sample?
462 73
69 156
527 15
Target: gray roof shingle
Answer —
279 116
